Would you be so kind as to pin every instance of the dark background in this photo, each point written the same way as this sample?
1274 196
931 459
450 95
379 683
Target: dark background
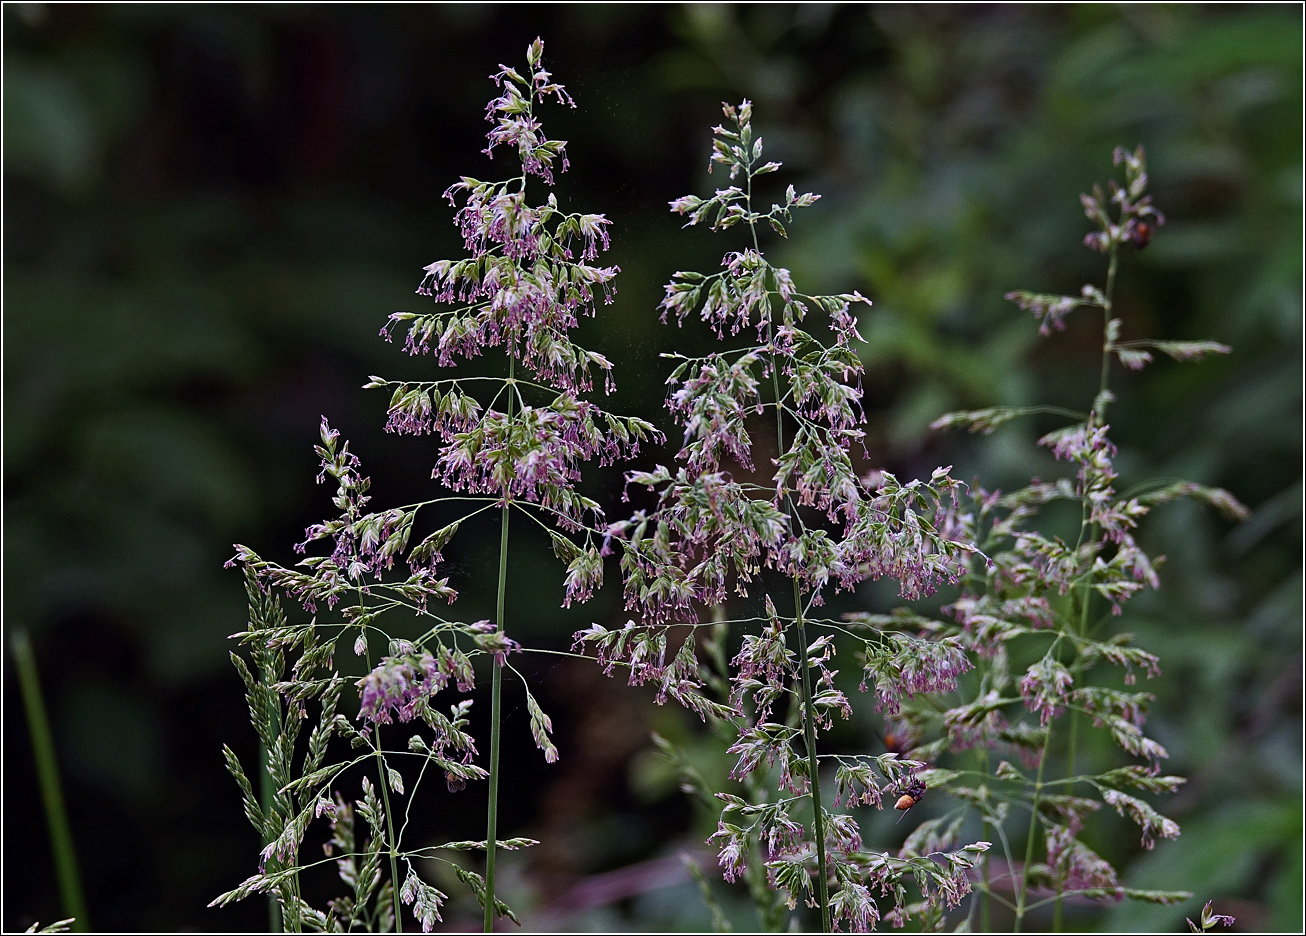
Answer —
209 211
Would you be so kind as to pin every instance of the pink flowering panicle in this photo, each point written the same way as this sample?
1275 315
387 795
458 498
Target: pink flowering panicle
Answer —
513 444
766 500
1050 601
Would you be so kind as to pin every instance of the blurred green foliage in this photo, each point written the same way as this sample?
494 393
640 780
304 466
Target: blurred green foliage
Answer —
209 212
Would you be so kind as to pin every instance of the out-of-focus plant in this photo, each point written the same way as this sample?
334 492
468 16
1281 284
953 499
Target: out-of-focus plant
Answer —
813 523
515 448
1037 617
1209 919
61 926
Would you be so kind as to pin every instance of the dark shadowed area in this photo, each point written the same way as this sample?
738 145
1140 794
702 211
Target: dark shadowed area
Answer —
210 211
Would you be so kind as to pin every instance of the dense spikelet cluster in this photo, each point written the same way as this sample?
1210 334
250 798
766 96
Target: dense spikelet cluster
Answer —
511 443
718 532
768 508
1052 599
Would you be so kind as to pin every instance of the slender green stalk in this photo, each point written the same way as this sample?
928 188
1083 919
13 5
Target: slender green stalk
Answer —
1033 828
809 710
809 739
47 771
1086 527
1112 265
267 793
390 832
1099 416
385 799
496 690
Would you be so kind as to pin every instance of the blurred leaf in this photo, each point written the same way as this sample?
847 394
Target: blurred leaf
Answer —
1217 855
48 128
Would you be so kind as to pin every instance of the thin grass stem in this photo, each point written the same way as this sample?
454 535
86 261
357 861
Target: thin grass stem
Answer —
496 694
47 773
267 793
1033 829
809 710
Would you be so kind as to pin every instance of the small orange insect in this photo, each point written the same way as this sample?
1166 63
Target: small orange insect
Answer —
910 797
